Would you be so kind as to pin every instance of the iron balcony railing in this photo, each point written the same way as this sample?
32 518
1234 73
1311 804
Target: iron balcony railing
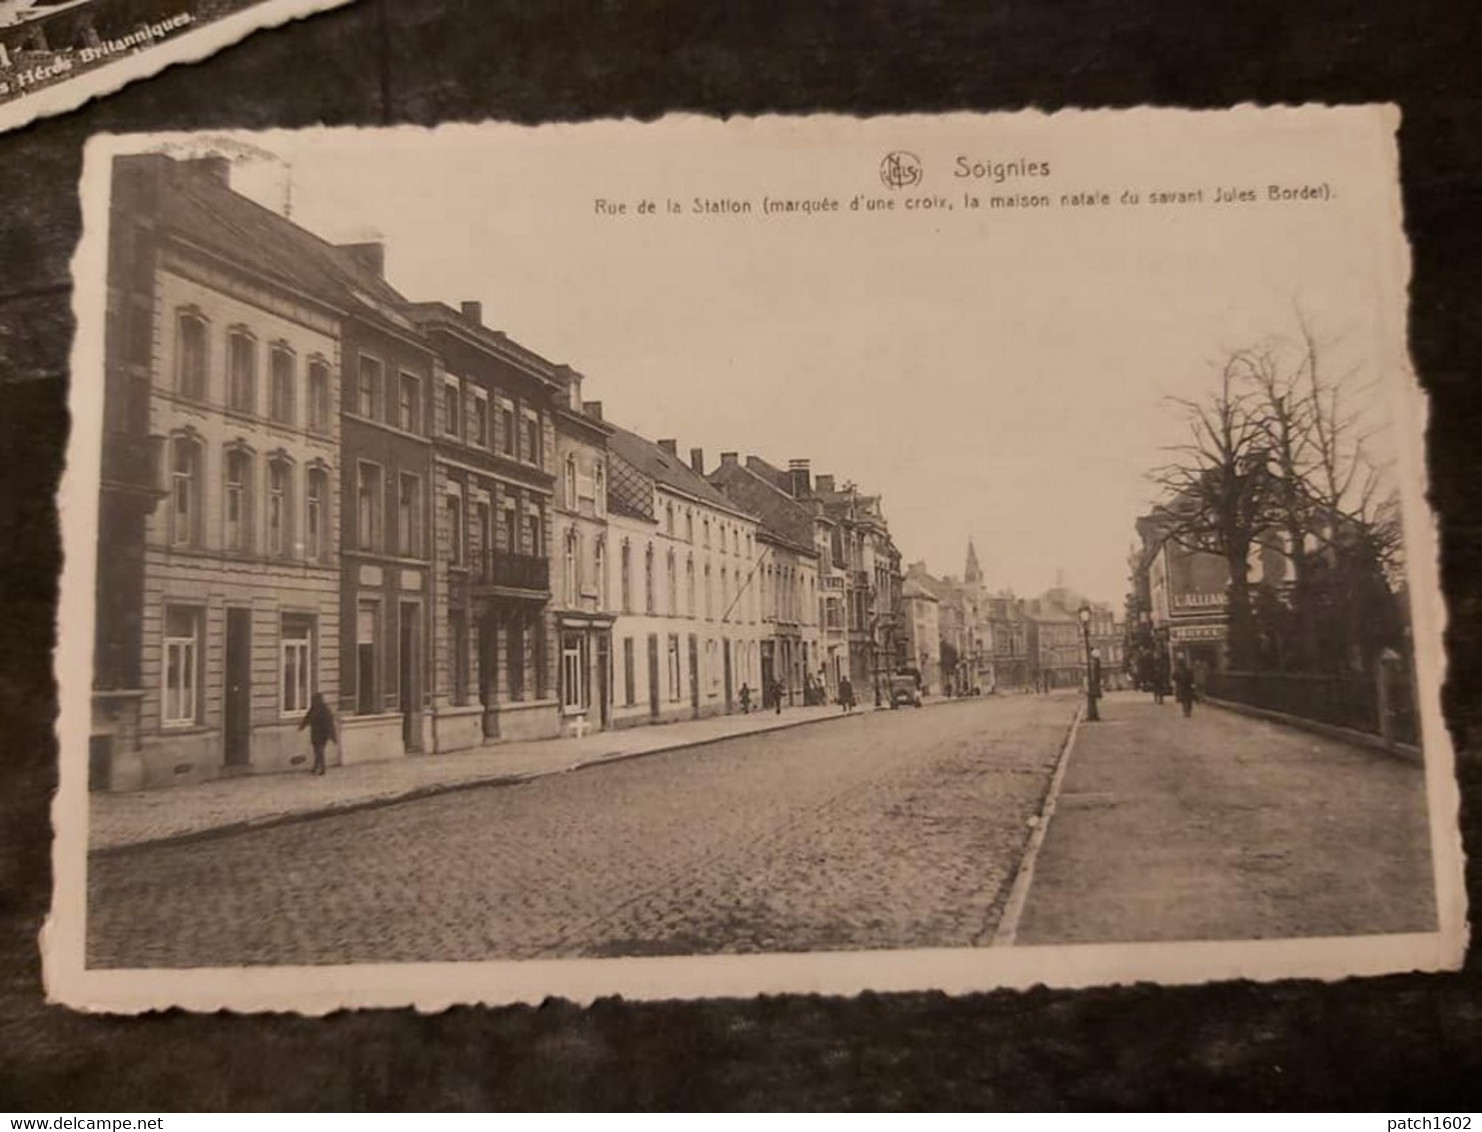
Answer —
510 571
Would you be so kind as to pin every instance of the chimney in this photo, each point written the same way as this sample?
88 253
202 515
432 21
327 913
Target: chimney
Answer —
370 255
697 461
593 409
670 446
571 383
730 459
825 484
213 167
800 480
473 312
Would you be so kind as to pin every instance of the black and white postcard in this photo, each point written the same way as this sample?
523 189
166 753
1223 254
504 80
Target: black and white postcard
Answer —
707 558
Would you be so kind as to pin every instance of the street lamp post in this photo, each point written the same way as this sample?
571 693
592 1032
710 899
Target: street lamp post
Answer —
1091 714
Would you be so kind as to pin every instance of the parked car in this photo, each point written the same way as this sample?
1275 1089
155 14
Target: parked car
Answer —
905 688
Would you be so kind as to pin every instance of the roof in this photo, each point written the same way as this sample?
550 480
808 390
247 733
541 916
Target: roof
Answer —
648 459
912 587
629 491
782 518
204 212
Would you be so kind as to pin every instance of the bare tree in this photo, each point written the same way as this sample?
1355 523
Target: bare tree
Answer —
1219 489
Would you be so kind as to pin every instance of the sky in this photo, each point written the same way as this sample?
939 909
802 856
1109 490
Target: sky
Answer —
995 374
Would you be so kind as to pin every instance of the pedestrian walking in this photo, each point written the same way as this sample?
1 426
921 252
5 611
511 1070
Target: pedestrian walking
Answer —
745 699
777 696
320 722
1160 678
1183 687
846 694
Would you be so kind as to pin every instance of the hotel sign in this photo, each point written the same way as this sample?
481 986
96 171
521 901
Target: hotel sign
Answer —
1197 633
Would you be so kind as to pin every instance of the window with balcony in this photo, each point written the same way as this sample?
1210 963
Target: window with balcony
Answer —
282 391
191 355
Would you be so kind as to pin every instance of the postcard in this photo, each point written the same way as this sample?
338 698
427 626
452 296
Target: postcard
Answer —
706 558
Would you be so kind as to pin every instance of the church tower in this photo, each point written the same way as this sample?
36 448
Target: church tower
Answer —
972 574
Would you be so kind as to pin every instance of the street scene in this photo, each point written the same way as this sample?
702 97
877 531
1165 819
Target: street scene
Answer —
408 648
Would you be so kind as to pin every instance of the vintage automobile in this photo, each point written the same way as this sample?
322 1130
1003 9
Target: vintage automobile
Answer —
905 688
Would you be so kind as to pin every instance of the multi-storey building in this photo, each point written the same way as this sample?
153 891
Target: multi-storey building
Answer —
493 477
922 625
218 613
787 571
681 573
581 600
387 586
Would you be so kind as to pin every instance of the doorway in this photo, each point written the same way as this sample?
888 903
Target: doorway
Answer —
406 676
653 675
237 710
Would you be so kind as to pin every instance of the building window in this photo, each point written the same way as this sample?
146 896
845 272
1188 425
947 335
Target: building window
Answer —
570 573
709 595
648 579
573 672
707 534
455 529
281 394
511 529
599 567
630 690
481 421
533 535
408 515
280 492
599 490
181 704
368 507
316 497
515 659
571 483
451 396
674 678
484 527
689 586
673 589
725 593
185 492
669 519
296 662
238 501
410 408
367 623
458 620
318 396
191 356
507 430
532 440
241 370
625 577
368 392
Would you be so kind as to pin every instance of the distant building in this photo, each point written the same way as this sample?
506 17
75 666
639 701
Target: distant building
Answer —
921 623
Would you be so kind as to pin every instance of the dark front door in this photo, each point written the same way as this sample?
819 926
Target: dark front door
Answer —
604 680
406 676
725 648
237 712
695 676
653 675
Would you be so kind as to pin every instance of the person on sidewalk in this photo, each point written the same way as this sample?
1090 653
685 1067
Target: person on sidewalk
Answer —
777 696
1183 687
745 699
846 694
320 722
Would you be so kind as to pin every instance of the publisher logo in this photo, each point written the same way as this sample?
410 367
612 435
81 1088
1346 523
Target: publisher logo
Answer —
900 170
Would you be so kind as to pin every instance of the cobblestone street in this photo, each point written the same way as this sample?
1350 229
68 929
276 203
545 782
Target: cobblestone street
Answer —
882 830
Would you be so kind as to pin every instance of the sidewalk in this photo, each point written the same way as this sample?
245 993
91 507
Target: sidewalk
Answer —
1222 826
120 820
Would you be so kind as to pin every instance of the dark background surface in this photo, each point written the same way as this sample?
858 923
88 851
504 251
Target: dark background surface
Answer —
1400 1043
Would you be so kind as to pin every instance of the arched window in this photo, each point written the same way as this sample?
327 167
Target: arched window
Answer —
599 490
280 517
571 482
185 492
319 395
709 595
725 593
283 393
316 515
689 585
669 519
571 571
689 526
191 354
648 579
625 580
599 564
237 512
673 591
707 534
241 371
